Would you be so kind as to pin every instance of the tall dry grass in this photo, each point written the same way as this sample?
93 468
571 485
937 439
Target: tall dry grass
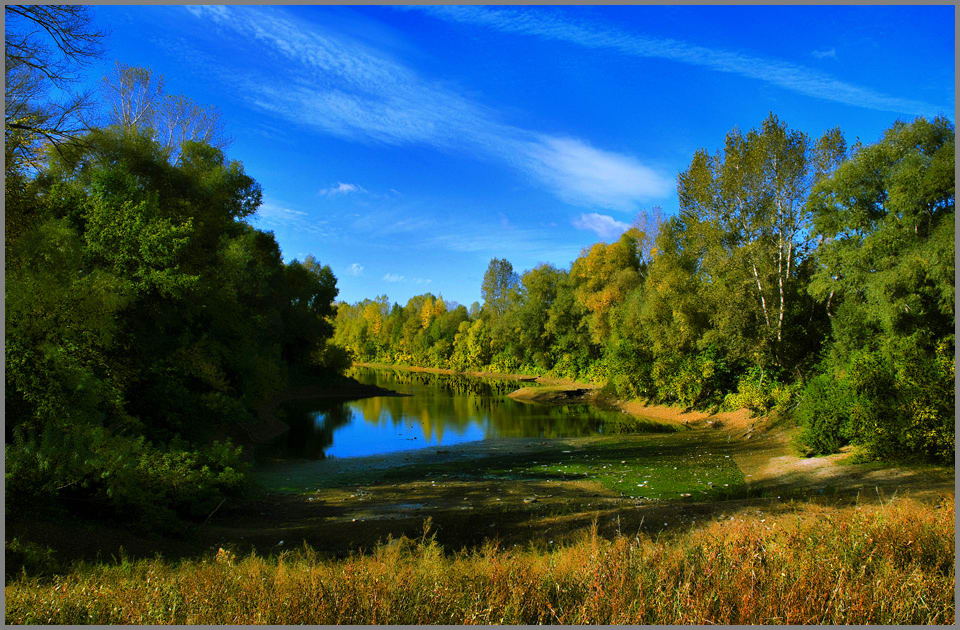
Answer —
889 564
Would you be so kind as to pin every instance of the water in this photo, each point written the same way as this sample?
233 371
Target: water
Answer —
441 410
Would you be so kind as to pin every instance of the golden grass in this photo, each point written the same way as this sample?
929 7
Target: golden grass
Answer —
886 564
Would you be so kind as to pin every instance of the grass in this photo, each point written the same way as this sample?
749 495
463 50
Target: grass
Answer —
660 469
654 466
891 563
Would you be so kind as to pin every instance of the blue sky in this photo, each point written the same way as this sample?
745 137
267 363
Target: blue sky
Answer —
406 147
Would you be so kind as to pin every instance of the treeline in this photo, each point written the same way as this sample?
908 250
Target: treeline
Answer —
800 276
145 318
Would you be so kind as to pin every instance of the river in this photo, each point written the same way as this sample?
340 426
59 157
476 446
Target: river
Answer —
437 410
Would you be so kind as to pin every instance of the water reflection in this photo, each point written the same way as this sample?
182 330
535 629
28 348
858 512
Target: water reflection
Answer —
440 410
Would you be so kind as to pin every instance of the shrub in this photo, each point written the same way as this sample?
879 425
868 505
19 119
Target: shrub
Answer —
692 380
906 406
824 414
184 482
332 359
28 557
760 393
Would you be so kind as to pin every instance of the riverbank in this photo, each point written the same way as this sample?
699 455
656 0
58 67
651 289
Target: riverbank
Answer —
888 563
519 491
529 378
551 390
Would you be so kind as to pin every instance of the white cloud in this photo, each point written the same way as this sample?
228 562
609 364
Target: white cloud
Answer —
584 175
822 54
550 25
273 215
605 226
270 211
341 189
356 269
348 90
394 277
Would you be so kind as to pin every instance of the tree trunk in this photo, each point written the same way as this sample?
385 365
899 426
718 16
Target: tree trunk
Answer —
763 302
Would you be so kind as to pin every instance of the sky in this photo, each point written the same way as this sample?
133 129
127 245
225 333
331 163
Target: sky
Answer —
407 146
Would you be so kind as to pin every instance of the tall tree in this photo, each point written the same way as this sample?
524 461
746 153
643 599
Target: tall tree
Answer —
499 285
604 275
886 268
137 99
746 208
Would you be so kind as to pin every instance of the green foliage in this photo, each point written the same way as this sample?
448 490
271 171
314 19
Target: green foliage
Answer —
824 414
140 306
786 253
886 277
905 407
499 284
23 557
761 393
691 380
180 481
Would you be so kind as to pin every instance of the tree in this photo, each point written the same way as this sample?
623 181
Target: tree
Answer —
604 275
426 313
138 100
885 273
745 210
45 47
499 286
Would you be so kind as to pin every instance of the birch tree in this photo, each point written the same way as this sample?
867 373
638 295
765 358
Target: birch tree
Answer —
137 99
746 209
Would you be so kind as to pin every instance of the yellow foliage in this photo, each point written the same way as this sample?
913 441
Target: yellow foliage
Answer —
439 307
426 313
372 315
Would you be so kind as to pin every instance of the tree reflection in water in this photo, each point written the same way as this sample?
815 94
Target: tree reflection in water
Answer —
439 409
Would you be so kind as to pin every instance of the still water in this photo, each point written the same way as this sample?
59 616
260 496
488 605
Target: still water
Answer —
440 410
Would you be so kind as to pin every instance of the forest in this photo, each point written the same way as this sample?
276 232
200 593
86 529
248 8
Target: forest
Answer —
801 277
144 315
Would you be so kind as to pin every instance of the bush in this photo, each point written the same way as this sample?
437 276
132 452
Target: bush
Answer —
691 380
906 406
332 359
151 485
824 414
760 393
30 558
189 483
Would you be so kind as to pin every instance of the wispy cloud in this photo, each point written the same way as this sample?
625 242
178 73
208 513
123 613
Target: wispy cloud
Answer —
551 25
274 215
356 269
823 54
346 89
583 174
395 277
341 189
605 226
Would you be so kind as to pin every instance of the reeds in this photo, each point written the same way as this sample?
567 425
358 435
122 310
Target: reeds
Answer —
886 564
